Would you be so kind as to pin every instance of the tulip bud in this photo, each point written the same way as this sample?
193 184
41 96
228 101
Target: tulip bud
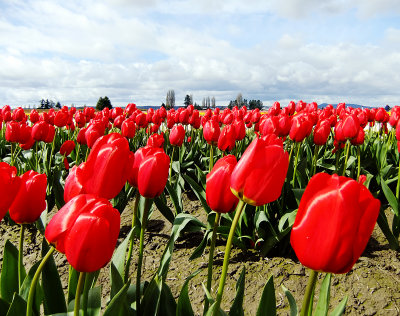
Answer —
85 229
153 173
177 135
9 186
218 193
334 222
260 173
30 200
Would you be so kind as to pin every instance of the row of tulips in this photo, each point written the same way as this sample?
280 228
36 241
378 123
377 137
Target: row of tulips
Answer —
272 162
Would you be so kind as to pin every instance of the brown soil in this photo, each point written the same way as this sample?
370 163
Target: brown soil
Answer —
372 286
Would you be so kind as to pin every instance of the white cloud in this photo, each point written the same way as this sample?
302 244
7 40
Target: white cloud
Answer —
134 51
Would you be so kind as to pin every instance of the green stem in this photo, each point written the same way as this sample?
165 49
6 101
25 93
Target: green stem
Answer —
12 154
315 158
21 256
77 153
345 158
85 295
134 217
398 183
211 165
307 302
35 280
211 259
52 150
36 157
79 288
295 163
228 247
170 164
140 258
358 162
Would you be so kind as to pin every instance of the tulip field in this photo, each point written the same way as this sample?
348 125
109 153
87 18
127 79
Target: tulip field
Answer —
187 212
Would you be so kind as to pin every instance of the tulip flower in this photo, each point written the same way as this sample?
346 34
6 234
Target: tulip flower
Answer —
153 173
260 173
156 140
218 193
221 200
106 170
67 147
227 138
86 230
211 132
177 135
128 129
334 222
9 186
30 200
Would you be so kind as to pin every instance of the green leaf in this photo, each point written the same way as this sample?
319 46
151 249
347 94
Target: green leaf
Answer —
118 306
93 304
324 296
199 191
54 299
151 298
4 307
72 283
184 307
26 285
182 222
164 209
9 272
117 282
17 307
118 258
292 301
174 198
267 305
391 198
203 244
339 310
237 306
167 305
384 226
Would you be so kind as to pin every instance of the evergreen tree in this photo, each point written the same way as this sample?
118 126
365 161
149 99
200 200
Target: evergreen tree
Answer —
103 103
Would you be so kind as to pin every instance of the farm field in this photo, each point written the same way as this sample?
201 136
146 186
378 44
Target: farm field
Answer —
118 198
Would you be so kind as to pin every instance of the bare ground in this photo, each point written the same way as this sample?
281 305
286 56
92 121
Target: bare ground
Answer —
372 286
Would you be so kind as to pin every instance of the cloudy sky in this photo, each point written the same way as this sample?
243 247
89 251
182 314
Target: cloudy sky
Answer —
136 50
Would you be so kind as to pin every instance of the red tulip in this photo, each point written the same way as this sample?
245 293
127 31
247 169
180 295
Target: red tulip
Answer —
218 193
40 131
334 222
260 173
139 155
177 135
211 132
128 129
359 139
350 126
61 118
85 229
93 132
227 138
30 200
34 116
12 132
321 132
156 140
301 127
105 172
67 147
153 173
9 186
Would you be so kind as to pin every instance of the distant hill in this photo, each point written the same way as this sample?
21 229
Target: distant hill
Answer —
322 105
